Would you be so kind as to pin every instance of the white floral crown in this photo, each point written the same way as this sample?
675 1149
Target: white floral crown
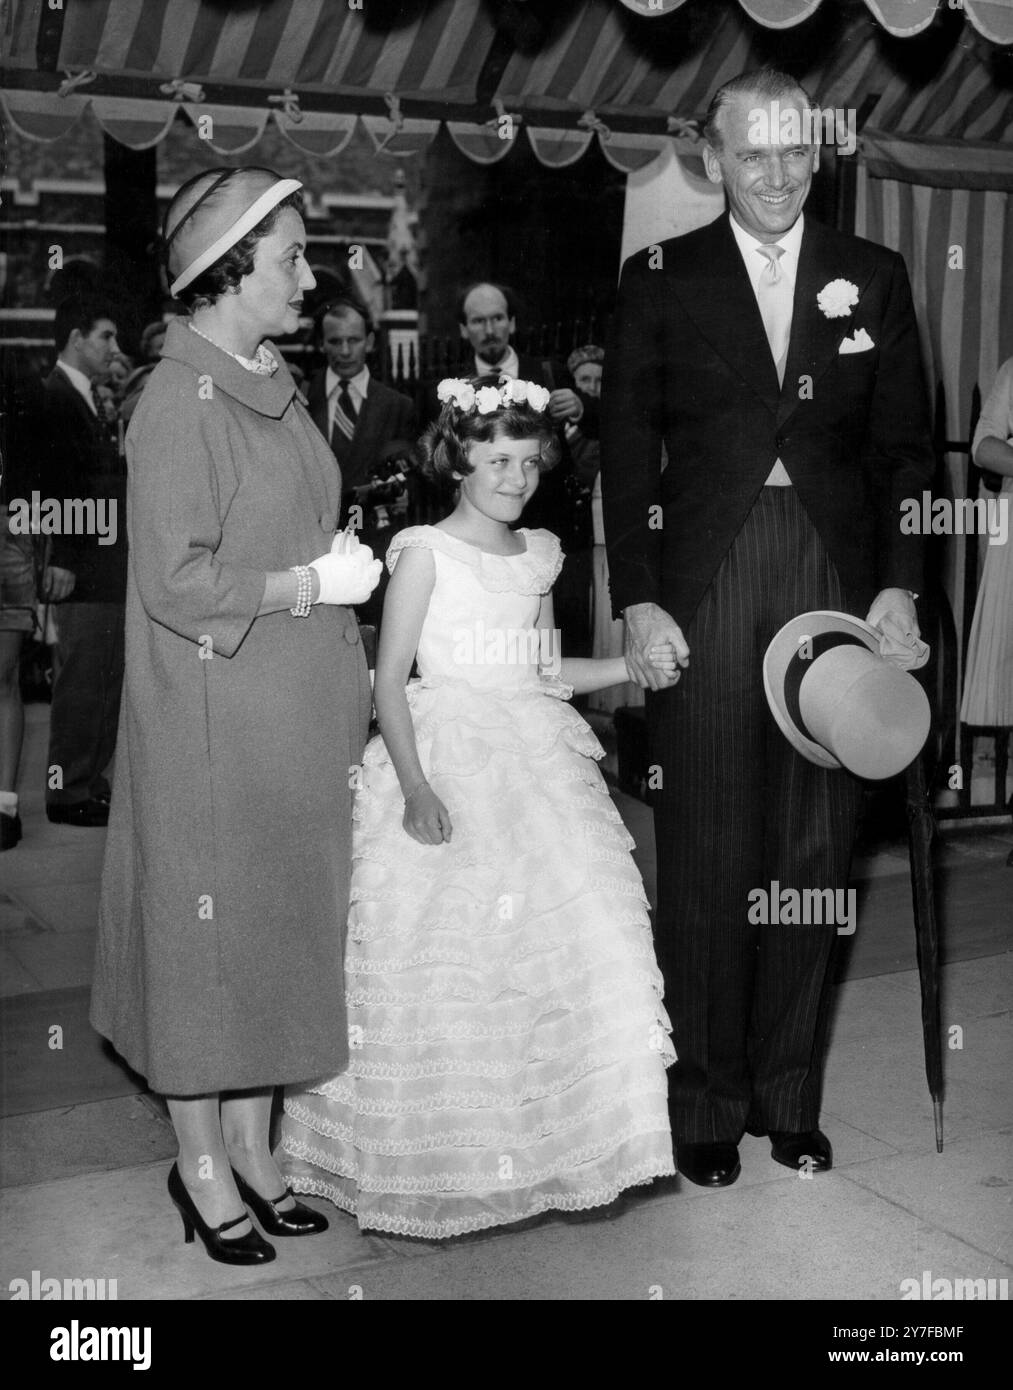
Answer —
511 391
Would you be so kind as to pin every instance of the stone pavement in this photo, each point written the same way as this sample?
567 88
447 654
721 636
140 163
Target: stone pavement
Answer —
85 1149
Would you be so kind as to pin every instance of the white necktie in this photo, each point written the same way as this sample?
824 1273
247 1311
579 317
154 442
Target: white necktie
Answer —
774 296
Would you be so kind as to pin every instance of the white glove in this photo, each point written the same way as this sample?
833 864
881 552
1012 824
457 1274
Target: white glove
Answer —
893 616
348 573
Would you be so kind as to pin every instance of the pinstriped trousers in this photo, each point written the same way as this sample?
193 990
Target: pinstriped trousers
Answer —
739 809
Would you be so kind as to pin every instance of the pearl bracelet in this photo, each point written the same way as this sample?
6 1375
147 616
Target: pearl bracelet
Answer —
303 602
417 788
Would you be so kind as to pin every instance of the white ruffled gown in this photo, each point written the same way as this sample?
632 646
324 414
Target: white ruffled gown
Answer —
508 1041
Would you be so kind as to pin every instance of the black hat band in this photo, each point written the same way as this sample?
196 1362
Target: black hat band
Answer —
801 664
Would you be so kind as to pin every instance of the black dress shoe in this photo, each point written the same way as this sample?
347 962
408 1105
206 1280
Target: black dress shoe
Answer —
810 1147
251 1249
708 1165
298 1220
90 813
10 830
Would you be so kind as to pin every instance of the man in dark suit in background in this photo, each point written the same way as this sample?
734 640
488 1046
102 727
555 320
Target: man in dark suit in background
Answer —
778 362
365 422
80 466
486 314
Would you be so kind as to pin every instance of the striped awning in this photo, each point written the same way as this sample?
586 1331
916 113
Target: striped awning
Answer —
902 18
629 74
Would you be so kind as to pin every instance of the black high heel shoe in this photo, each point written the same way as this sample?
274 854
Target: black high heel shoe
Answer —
299 1220
251 1249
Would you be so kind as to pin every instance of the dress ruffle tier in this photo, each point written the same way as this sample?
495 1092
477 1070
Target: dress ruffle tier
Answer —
508 1039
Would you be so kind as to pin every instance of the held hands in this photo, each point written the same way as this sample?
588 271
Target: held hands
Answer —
653 646
426 819
348 573
664 659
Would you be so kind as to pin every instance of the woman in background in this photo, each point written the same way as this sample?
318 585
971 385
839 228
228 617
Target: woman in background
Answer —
988 680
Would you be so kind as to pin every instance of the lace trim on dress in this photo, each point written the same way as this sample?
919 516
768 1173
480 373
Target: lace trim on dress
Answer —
634 1176
644 1031
533 572
505 1071
402 1184
494 713
451 954
371 919
408 934
626 961
607 845
351 1089
469 1030
549 1126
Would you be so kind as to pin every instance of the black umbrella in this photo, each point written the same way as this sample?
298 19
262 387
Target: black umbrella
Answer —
921 832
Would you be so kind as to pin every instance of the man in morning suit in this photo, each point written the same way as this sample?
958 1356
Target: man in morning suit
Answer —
365 422
80 465
794 417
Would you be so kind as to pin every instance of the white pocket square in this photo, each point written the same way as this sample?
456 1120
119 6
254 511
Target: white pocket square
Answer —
861 342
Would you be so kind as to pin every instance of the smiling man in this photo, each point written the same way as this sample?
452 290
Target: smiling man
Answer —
777 361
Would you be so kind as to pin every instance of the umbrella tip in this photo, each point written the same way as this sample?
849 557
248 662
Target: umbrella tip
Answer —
937 1114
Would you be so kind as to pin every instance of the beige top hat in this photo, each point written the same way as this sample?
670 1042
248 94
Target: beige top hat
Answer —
213 211
838 702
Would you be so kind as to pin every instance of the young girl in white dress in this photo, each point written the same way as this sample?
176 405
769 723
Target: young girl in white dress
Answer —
508 1040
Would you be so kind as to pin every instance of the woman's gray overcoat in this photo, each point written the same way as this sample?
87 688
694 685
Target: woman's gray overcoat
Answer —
225 884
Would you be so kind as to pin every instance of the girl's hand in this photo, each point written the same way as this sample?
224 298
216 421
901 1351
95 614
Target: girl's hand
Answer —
426 819
663 657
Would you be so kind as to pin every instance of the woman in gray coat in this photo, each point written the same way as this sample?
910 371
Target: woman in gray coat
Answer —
245 707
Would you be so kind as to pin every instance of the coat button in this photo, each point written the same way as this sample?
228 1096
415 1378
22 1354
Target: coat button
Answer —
352 633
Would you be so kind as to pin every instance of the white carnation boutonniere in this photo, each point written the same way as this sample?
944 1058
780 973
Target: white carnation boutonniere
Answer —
837 298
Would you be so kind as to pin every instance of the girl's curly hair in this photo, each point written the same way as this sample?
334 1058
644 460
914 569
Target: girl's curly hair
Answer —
444 447
237 261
